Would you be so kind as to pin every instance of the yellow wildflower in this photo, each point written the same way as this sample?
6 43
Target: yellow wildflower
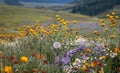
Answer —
112 20
93 64
1 35
83 68
3 42
88 50
103 57
95 32
106 29
112 36
58 19
100 39
47 32
112 25
24 59
108 15
116 50
22 34
8 69
57 16
113 13
52 26
102 21
54 30
64 23
33 31
67 22
102 24
74 21
116 17
86 63
62 20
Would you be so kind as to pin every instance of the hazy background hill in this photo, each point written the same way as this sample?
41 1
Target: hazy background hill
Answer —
36 3
17 2
10 2
94 7
48 1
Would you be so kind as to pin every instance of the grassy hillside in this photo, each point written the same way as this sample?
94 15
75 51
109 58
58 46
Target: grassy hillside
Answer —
11 16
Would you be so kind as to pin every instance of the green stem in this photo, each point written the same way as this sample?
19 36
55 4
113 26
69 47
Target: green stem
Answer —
1 65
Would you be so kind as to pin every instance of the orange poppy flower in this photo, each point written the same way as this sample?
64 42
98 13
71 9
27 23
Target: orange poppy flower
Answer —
40 56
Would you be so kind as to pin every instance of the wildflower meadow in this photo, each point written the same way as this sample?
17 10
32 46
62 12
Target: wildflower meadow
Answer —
60 48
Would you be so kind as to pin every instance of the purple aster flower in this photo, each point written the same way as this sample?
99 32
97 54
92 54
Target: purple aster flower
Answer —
103 53
92 42
69 54
79 48
98 49
65 60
